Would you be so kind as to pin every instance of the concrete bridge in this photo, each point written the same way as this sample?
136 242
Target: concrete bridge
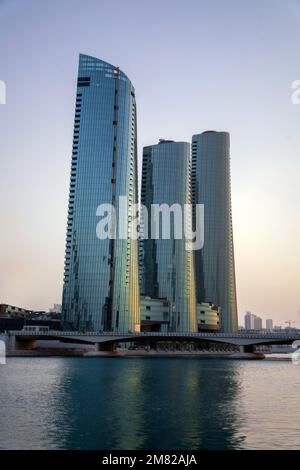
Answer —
107 341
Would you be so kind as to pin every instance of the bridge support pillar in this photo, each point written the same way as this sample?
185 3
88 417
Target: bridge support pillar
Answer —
10 343
25 345
109 347
247 352
247 349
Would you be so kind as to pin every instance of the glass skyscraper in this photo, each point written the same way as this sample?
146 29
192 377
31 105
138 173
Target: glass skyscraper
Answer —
167 267
215 270
101 282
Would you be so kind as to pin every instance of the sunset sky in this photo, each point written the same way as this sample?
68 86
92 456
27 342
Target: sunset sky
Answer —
196 65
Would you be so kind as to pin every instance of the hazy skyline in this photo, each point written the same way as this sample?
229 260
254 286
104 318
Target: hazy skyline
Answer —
195 65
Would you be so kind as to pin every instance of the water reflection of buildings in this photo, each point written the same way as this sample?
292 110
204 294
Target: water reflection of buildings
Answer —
142 403
217 419
107 402
129 400
196 401
132 403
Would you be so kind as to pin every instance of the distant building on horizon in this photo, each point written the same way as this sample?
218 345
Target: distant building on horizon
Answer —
257 323
101 288
252 322
167 267
249 321
269 324
215 268
55 309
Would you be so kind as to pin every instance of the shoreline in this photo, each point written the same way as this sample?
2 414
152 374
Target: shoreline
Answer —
142 353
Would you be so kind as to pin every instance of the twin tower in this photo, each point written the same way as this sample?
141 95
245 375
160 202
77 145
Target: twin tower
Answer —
103 277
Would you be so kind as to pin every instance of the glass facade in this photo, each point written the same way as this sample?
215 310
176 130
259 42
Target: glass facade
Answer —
215 270
167 268
101 283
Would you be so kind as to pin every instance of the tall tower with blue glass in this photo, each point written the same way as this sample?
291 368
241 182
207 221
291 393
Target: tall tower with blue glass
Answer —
215 270
167 265
101 282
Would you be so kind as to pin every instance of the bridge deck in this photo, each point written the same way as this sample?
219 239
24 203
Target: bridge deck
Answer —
237 339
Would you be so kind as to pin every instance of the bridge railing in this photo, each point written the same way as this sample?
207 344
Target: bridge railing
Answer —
281 335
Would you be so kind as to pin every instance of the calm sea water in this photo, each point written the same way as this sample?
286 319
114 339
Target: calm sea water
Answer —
149 403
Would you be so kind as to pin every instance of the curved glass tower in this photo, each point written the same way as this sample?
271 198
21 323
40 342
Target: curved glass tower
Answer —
215 270
101 289
167 266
